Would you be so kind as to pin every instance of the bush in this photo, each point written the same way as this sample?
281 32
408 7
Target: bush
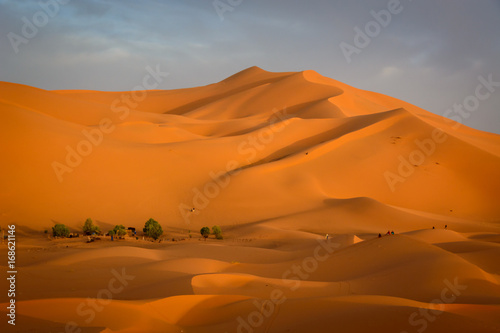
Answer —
89 228
60 230
119 230
205 231
217 231
152 229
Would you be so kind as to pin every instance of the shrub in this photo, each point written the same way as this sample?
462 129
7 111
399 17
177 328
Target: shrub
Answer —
60 230
217 231
152 229
205 231
89 228
119 230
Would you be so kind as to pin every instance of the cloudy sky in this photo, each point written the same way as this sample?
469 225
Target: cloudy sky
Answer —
428 52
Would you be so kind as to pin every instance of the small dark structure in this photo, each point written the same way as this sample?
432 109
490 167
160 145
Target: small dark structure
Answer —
131 231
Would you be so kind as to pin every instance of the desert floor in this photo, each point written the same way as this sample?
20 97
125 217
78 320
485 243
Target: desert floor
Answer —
260 278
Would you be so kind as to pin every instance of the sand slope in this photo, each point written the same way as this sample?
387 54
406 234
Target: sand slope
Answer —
393 283
278 160
298 141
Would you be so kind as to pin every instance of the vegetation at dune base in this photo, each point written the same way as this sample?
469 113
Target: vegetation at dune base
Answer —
60 230
205 231
217 231
89 228
152 229
111 233
119 230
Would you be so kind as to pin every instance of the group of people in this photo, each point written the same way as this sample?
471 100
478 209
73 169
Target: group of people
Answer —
387 233
445 227
392 232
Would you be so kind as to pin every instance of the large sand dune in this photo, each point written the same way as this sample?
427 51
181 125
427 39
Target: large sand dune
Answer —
278 160
285 142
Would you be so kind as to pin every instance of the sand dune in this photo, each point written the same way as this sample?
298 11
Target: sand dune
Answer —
278 160
382 282
292 142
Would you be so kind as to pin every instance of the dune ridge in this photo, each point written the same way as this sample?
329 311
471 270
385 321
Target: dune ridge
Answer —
302 172
272 125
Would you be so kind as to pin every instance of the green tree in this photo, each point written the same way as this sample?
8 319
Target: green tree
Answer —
120 230
217 231
205 231
111 234
152 229
60 230
89 228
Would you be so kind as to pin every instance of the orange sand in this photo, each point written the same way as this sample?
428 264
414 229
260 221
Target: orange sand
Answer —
278 160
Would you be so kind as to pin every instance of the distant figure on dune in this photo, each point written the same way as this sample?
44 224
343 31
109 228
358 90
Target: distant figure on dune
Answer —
392 232
388 232
445 226
379 235
326 237
433 227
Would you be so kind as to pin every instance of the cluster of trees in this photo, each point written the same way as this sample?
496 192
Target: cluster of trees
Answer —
151 229
89 228
216 230
119 230
60 230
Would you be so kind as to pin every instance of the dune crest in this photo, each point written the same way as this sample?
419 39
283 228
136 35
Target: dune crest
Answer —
301 135
341 209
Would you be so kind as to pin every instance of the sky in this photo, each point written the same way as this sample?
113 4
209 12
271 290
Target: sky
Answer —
431 53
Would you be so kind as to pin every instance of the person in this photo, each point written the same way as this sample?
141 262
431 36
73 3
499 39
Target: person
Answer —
446 226
433 227
326 237
392 232
379 235
388 232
